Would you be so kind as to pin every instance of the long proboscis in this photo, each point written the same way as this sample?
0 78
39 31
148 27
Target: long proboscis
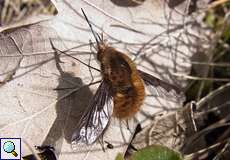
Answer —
90 26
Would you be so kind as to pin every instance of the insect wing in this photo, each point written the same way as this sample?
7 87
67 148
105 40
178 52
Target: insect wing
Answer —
96 118
161 88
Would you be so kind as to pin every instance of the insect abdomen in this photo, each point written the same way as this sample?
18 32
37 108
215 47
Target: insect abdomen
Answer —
126 105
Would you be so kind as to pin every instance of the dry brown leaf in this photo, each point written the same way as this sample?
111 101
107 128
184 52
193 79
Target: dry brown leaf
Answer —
29 71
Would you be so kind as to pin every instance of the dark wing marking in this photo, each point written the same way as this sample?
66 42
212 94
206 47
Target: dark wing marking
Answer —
161 88
96 118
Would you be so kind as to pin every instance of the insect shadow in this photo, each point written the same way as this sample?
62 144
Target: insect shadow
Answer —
128 3
68 109
192 6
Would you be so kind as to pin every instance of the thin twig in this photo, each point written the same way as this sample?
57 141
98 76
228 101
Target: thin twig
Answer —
211 64
212 94
216 3
200 78
192 155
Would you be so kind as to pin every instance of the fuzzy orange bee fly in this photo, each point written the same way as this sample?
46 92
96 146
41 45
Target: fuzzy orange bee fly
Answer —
120 94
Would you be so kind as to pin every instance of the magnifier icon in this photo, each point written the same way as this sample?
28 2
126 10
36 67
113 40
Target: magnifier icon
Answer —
9 147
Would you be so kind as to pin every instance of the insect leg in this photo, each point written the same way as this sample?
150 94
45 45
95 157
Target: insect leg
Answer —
92 45
61 52
90 55
101 141
130 146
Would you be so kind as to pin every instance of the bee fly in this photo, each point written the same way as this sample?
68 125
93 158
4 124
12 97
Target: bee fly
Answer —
120 94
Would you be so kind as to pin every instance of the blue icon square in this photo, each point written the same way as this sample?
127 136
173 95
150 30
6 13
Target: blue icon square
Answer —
10 148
